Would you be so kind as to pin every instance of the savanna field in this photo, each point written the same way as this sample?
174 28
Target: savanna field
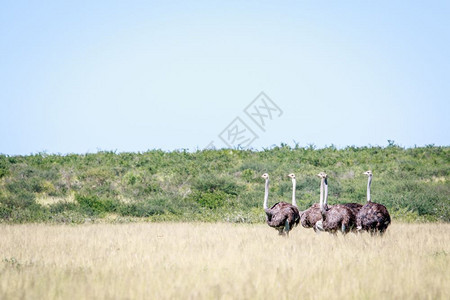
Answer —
182 225
221 261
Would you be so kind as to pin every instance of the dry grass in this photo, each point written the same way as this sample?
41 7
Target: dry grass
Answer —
46 200
195 261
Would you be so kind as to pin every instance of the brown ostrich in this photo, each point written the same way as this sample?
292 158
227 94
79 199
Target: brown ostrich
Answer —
372 217
310 217
355 207
334 218
282 216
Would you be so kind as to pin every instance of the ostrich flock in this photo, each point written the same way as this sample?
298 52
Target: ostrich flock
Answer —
348 217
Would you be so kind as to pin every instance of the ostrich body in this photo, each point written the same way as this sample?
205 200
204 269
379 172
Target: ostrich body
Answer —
310 216
355 207
282 216
336 217
372 217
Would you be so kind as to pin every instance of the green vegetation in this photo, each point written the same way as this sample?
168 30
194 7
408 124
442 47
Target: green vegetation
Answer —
218 185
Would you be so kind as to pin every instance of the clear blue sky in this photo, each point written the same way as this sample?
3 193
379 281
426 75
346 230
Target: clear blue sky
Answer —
139 75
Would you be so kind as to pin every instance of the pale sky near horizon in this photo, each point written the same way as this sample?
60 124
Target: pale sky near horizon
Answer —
136 75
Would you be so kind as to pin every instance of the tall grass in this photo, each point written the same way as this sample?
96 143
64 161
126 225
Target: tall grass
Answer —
221 261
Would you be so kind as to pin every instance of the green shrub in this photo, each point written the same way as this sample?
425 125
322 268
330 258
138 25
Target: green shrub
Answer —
248 175
34 213
18 196
139 184
4 166
93 205
211 199
5 212
147 208
211 184
63 206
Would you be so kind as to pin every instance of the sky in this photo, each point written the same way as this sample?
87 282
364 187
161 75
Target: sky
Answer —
85 76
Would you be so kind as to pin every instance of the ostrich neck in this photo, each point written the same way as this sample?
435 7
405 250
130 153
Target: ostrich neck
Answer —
266 194
294 185
325 192
322 208
368 188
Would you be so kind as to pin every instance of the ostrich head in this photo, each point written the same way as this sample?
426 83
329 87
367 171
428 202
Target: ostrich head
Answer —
265 176
368 173
292 176
322 175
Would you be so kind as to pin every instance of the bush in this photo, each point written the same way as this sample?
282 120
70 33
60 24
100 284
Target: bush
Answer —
93 205
248 175
18 196
5 212
147 208
4 166
212 200
34 213
211 184
62 206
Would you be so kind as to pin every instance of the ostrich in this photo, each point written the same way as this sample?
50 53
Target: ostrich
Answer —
310 216
354 207
372 217
336 217
282 216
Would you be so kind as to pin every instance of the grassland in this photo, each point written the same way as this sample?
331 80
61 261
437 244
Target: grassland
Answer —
221 261
218 185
